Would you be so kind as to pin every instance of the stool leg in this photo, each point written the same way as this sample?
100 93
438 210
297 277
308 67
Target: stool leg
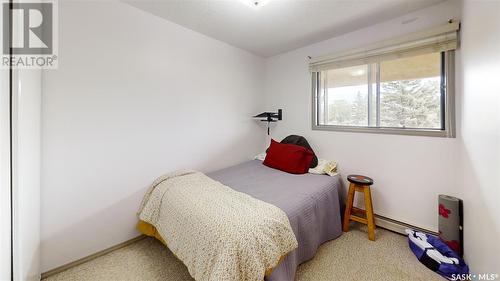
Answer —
348 207
369 213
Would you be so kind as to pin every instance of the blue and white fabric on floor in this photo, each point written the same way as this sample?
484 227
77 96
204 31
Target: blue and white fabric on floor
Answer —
435 254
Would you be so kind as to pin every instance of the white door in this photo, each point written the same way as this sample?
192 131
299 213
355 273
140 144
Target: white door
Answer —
20 110
26 111
5 180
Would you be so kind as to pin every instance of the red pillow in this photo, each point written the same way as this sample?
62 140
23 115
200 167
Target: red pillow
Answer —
290 158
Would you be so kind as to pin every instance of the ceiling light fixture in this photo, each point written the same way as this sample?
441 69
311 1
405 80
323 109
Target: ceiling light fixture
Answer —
255 4
358 72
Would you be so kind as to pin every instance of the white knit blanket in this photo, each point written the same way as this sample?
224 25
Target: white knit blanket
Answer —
217 232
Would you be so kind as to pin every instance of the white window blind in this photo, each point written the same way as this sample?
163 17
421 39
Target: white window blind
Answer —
439 39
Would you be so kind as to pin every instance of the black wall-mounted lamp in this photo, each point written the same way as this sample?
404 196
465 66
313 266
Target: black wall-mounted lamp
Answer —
270 117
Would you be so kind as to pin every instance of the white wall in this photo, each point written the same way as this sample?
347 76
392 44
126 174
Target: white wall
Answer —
479 134
26 113
119 112
409 171
135 96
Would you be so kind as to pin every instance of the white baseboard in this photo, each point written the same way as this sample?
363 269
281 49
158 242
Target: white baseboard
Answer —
380 221
91 257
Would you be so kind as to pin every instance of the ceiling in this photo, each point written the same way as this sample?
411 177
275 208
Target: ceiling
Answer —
281 25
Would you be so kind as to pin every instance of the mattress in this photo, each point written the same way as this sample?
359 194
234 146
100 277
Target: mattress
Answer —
310 201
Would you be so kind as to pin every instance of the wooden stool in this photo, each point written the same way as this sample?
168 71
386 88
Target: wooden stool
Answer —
361 184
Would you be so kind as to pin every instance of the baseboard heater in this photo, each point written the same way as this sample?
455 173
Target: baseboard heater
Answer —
398 226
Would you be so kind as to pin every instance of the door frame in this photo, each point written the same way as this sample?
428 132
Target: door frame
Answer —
6 187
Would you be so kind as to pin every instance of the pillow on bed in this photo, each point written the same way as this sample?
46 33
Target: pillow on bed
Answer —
289 158
325 166
300 140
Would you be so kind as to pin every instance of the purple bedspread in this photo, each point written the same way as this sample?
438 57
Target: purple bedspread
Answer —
311 203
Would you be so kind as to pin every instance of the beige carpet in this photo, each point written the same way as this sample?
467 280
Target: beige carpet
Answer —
350 257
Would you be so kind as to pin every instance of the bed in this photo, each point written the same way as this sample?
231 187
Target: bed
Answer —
311 203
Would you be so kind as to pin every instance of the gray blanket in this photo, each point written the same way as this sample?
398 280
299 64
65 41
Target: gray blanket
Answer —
311 203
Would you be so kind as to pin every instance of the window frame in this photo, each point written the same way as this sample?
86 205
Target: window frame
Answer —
447 108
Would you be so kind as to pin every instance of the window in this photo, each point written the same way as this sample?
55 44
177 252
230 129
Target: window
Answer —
410 92
397 92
